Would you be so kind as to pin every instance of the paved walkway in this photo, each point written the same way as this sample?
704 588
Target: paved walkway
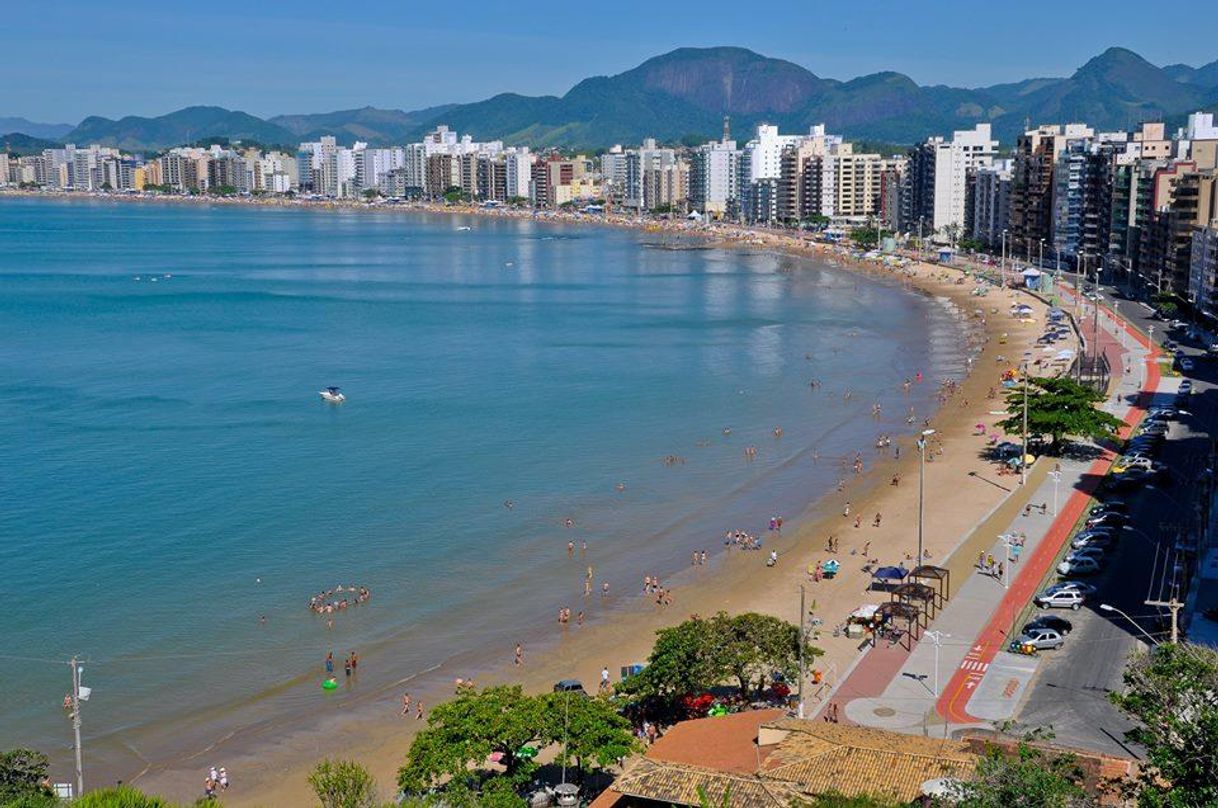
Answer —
967 676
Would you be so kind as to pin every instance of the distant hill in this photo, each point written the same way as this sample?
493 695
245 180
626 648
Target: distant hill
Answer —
135 133
685 94
21 143
49 131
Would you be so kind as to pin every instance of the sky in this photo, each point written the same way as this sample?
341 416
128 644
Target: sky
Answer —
65 59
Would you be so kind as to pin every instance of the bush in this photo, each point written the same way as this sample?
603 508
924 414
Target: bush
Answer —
343 784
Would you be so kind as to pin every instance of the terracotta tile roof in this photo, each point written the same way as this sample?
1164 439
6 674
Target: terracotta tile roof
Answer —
678 784
726 743
857 761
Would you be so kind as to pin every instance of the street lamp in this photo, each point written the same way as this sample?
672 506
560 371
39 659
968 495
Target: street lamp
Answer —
1023 459
936 637
1004 258
1104 607
922 486
1056 474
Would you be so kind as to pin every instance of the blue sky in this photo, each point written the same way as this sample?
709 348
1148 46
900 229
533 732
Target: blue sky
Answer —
64 59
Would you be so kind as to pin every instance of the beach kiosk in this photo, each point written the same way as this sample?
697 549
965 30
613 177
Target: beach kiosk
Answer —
1032 278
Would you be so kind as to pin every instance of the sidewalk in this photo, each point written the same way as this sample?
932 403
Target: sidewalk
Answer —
977 680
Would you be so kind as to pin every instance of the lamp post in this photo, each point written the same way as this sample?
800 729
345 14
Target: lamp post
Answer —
1056 474
1023 459
922 486
1040 255
79 694
1006 566
1104 607
936 637
1004 258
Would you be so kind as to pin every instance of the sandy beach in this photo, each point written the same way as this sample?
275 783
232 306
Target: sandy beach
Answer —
962 489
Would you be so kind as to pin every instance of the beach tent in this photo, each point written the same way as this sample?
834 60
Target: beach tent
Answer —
865 612
890 573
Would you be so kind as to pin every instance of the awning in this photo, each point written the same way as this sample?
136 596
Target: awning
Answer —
866 611
890 573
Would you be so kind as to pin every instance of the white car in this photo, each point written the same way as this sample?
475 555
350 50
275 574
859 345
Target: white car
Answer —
1066 599
1104 541
1085 565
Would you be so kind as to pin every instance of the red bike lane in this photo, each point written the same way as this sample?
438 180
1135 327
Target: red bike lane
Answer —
953 702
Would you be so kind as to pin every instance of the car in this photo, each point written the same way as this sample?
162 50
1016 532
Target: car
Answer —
1051 621
1187 365
1213 348
1127 462
1165 411
1113 504
1066 599
1097 553
1104 541
1169 345
1084 589
1086 565
1146 443
570 686
1042 639
1153 428
1185 388
1108 519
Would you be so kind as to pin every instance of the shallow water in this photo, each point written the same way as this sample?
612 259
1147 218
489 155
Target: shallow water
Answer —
171 475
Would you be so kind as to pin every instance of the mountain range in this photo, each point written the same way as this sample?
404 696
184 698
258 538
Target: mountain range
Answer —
685 93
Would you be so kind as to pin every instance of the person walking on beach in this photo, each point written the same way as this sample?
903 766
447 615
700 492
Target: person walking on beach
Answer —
604 589
347 667
330 662
418 713
519 655
570 549
876 523
605 678
405 704
846 510
223 779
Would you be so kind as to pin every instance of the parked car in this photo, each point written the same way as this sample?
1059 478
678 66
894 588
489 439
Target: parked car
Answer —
1058 624
1127 462
1185 388
1186 365
1107 519
1113 504
570 686
1153 428
1086 565
1042 639
1097 553
1082 588
1104 541
1066 599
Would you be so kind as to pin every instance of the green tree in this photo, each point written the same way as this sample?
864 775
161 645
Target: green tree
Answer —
1059 407
592 731
371 193
1028 779
683 660
866 237
755 646
23 773
1172 694
343 784
465 731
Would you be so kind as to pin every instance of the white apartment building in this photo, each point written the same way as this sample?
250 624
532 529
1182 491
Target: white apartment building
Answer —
517 171
714 177
967 150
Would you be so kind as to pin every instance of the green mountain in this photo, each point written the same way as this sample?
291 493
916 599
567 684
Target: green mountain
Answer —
686 93
184 126
49 131
20 144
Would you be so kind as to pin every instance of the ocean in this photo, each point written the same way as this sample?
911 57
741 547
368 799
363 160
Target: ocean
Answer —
174 490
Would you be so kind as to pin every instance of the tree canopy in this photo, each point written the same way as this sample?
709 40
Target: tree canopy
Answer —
1172 694
463 734
1059 407
23 774
343 784
1029 779
748 649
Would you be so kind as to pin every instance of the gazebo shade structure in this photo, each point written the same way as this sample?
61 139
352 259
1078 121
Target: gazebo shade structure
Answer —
920 595
941 576
912 615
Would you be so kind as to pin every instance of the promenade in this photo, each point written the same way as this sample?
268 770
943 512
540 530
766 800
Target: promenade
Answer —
966 677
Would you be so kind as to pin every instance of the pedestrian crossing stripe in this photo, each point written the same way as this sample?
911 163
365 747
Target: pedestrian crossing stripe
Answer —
974 665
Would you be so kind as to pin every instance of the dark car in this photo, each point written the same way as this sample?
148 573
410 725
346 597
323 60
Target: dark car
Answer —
570 686
1059 624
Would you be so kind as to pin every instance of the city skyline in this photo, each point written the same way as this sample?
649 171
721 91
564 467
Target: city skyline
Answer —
267 66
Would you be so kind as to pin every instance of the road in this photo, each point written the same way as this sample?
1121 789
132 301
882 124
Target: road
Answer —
1070 691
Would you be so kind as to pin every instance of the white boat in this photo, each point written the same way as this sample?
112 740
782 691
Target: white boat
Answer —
332 395
463 228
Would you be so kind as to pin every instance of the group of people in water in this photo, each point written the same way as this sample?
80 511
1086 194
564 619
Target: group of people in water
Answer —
215 781
338 598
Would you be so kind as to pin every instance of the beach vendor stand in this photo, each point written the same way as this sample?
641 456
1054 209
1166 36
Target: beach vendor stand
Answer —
862 620
885 576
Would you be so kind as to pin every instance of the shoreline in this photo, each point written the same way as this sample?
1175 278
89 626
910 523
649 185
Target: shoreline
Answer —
735 582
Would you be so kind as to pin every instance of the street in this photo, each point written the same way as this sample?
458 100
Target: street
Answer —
1070 691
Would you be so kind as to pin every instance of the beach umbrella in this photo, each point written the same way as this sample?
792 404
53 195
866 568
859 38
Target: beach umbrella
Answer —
890 573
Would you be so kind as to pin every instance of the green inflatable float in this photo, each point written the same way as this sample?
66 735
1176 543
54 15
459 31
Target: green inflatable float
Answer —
329 684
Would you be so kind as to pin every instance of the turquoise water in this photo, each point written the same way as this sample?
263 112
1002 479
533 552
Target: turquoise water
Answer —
171 475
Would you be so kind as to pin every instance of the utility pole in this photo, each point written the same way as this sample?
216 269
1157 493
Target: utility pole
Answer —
936 637
921 487
76 699
802 613
1056 474
1175 606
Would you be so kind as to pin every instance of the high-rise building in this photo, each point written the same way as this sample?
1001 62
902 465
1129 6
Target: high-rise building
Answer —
991 203
1035 155
714 176
937 179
